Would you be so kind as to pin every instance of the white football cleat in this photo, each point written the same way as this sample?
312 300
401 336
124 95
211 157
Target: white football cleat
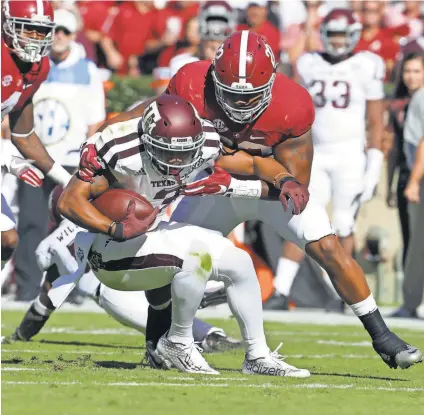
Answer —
185 358
273 365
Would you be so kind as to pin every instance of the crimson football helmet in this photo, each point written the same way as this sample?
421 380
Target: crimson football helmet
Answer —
172 134
243 73
340 22
21 17
217 20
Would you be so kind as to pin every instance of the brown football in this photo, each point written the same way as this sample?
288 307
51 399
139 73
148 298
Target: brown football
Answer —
114 204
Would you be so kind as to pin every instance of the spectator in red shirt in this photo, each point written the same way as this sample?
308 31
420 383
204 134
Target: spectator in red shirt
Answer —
97 18
129 33
376 39
257 21
405 19
170 24
189 44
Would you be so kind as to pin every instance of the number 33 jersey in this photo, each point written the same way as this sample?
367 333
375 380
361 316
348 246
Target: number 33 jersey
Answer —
122 154
340 92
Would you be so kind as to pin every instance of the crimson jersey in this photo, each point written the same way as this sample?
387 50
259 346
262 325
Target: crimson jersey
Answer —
17 89
290 113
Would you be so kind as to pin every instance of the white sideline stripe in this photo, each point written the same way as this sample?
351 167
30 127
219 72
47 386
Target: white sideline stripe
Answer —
223 385
132 332
243 56
59 352
288 356
18 369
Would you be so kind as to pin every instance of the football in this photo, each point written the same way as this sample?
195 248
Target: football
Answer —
114 204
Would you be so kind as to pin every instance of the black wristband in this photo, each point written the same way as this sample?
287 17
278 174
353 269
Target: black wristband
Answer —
109 231
119 232
286 179
273 192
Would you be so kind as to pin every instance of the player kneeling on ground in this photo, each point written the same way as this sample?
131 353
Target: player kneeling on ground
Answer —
138 251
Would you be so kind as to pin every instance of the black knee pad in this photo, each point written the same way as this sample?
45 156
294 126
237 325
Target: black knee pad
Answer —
52 274
6 253
159 296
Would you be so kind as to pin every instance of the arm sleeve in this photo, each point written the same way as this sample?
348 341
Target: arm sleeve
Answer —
96 103
374 88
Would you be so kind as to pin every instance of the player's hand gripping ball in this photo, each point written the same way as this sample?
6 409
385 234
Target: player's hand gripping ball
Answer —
133 213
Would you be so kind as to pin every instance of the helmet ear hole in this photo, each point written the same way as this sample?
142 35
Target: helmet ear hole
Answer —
165 123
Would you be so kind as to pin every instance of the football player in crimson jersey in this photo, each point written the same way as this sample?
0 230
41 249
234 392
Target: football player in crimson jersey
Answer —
348 92
26 38
258 114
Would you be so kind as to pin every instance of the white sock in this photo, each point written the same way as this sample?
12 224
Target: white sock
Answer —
329 284
236 270
364 307
187 290
285 275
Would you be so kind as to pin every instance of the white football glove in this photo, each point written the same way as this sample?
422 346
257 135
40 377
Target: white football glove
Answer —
372 174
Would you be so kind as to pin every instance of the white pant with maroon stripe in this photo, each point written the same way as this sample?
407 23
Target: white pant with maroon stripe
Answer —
151 260
338 175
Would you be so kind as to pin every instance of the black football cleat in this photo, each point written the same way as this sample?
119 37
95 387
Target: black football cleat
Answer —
152 359
395 352
213 298
13 338
218 341
277 301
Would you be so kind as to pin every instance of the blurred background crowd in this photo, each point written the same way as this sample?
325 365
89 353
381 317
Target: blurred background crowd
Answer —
134 48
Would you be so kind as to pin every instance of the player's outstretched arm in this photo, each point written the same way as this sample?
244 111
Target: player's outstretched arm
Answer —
29 144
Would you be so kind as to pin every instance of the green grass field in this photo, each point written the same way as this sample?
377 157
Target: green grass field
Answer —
89 364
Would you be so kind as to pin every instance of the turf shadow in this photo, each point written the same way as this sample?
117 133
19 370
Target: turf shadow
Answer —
350 375
113 364
76 343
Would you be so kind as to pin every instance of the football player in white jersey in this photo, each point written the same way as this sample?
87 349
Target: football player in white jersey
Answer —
167 257
55 256
347 89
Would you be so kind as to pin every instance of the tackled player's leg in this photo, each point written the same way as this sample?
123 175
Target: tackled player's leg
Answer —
186 257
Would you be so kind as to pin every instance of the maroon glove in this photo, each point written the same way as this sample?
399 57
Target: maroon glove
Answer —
89 163
215 184
131 227
298 193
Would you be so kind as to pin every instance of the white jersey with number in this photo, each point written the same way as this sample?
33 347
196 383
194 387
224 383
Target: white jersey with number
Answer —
340 92
120 148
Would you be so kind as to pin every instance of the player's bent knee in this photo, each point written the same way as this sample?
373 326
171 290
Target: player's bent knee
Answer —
9 239
236 264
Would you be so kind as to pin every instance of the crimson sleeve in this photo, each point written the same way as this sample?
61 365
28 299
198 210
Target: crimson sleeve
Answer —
304 116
